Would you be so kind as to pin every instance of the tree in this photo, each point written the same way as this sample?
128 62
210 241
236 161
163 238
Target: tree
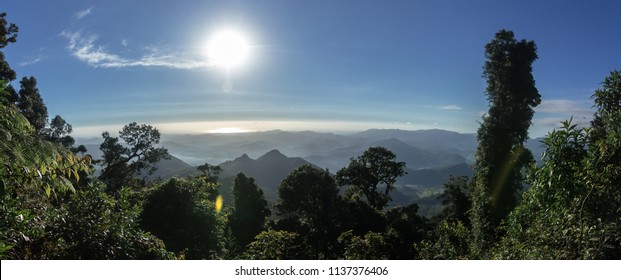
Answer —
31 104
573 208
456 200
32 173
181 214
375 169
545 224
274 245
250 213
371 246
121 163
405 227
450 240
58 132
501 155
8 34
309 196
93 225
210 172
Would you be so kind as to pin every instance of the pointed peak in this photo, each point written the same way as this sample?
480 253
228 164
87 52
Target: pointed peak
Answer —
273 154
243 157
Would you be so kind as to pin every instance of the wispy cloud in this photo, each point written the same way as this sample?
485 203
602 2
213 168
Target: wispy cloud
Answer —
450 107
84 48
563 106
125 42
31 61
83 13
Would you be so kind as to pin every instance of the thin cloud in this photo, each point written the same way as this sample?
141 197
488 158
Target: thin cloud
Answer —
83 13
85 49
31 61
450 107
563 106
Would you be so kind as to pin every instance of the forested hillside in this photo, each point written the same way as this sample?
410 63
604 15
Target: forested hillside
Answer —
567 206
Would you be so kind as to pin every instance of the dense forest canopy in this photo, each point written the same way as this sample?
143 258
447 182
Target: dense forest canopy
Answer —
54 206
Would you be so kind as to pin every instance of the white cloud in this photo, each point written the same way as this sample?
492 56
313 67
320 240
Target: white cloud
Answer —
85 49
84 13
563 106
125 42
450 107
31 61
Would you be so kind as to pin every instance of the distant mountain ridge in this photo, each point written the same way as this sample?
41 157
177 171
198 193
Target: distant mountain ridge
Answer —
268 170
430 156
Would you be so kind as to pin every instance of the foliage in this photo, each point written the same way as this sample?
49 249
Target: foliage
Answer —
405 227
360 217
375 169
58 132
93 225
310 196
8 34
31 171
31 104
250 213
274 245
573 209
181 214
456 200
122 162
371 246
210 172
450 241
29 162
501 155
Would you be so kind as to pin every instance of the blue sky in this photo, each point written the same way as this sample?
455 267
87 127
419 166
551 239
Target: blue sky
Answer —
313 65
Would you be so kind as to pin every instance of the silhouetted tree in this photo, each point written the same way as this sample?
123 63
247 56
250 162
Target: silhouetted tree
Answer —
309 196
456 200
375 169
210 172
250 213
501 154
405 227
31 104
122 162
181 214
8 34
58 132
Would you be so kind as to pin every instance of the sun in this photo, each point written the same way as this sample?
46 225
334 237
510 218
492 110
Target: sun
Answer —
227 48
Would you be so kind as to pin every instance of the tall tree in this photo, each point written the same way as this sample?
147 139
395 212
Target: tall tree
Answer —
372 175
121 162
31 104
250 213
309 196
501 155
8 34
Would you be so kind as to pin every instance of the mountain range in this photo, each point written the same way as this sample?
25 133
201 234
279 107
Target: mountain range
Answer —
430 156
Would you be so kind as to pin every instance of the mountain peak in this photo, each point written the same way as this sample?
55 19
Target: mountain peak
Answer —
243 157
272 155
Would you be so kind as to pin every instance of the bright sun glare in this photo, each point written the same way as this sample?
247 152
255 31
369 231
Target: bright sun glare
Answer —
227 48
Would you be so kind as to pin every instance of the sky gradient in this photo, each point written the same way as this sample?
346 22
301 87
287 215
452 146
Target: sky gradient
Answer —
313 65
